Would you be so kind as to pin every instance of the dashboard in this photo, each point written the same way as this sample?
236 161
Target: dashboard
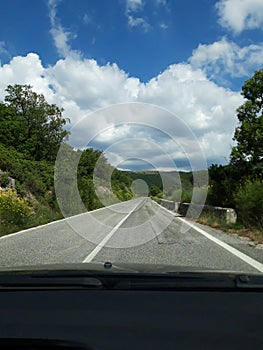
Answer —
131 319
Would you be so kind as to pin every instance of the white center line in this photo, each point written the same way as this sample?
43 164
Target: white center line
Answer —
247 259
96 250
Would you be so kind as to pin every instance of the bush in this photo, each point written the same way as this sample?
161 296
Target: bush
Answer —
4 180
13 209
249 204
186 197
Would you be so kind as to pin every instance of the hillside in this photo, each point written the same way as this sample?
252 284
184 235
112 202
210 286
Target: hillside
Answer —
31 133
32 199
166 184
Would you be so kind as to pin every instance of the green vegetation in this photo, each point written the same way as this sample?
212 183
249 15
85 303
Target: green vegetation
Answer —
31 132
249 203
13 208
248 154
176 186
240 184
215 221
31 125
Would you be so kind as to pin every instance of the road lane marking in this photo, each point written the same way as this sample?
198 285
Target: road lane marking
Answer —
10 235
96 250
247 259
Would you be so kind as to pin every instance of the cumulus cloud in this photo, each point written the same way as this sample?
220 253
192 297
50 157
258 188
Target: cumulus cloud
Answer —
82 86
226 57
24 70
92 86
238 15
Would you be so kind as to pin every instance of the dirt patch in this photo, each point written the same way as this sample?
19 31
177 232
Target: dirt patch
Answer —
254 235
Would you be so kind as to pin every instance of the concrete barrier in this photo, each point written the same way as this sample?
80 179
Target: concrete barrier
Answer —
227 214
168 204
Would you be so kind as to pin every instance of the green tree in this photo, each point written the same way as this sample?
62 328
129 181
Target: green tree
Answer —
155 190
248 153
249 203
40 124
223 181
9 126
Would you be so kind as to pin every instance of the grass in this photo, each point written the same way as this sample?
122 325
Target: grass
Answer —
215 222
156 199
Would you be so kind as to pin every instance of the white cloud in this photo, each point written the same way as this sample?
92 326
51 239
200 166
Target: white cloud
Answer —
134 5
136 17
238 15
87 18
225 57
3 50
114 134
25 70
161 2
132 8
137 22
92 86
61 37
163 26
82 86
203 105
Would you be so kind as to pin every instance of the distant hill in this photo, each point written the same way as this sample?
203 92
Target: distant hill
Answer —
171 182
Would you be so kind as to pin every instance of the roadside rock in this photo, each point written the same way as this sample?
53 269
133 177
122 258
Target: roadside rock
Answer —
245 239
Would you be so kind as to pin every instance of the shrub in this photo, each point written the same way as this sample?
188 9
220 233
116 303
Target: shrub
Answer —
4 180
186 197
13 209
249 204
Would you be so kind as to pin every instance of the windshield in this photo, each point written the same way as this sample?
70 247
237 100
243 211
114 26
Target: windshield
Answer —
131 134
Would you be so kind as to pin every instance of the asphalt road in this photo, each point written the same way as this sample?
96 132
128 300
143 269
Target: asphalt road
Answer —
137 231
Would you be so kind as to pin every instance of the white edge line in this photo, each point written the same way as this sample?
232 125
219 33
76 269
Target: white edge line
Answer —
56 221
96 250
247 259
171 212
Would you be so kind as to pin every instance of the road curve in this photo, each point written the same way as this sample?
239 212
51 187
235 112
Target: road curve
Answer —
136 231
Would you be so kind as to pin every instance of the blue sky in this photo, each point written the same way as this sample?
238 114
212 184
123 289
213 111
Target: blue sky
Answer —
188 57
